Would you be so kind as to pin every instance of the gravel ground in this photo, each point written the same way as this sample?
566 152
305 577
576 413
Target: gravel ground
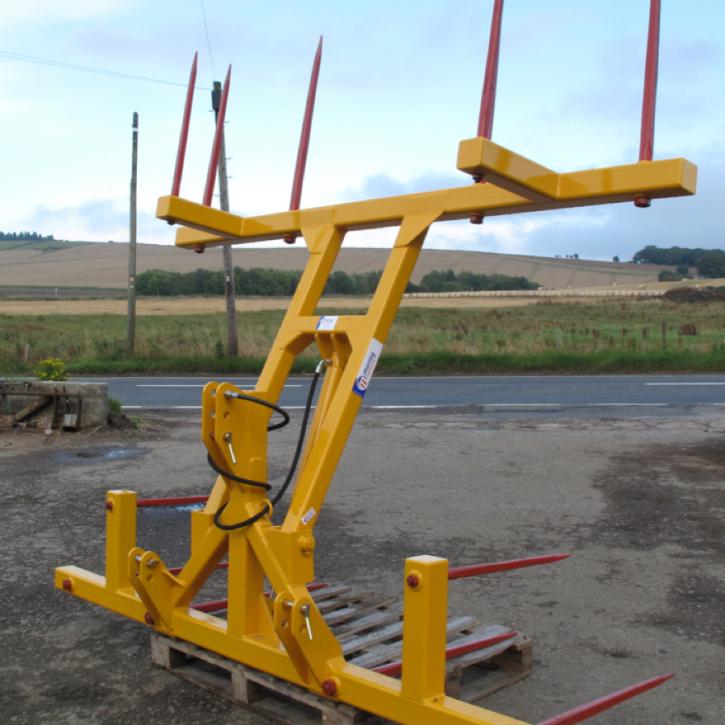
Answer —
639 503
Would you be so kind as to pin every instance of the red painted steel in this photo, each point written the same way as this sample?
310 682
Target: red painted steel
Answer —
183 138
488 95
214 606
211 174
649 96
170 501
584 712
394 668
304 144
460 572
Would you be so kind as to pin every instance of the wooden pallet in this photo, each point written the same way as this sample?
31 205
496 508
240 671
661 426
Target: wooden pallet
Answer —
369 629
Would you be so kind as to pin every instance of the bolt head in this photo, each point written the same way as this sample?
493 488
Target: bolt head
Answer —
642 202
329 687
148 619
109 505
412 580
476 219
67 585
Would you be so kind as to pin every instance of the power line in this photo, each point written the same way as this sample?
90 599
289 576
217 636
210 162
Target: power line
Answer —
208 42
88 69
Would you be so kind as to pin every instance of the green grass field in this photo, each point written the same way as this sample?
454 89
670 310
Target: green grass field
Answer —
607 336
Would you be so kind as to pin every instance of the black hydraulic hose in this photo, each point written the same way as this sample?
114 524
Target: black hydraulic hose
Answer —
295 459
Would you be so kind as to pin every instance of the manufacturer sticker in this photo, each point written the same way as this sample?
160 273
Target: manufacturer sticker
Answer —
365 374
308 516
327 322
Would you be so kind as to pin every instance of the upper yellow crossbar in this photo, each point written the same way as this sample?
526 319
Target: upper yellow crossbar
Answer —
516 185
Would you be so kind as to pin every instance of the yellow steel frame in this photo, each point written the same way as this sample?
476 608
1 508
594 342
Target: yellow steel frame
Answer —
272 633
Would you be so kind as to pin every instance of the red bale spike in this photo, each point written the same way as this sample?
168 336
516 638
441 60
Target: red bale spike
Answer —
170 501
181 153
392 669
214 606
601 704
304 143
649 94
488 93
216 146
460 572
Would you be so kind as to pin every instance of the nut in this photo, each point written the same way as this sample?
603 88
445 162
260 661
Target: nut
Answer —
329 687
307 544
413 580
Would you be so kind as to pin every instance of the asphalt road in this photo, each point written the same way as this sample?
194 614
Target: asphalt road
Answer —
500 395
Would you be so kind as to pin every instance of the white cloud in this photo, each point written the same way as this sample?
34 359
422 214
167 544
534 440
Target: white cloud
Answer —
48 11
93 220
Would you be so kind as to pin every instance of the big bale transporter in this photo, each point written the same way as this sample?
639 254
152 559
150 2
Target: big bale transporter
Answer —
279 629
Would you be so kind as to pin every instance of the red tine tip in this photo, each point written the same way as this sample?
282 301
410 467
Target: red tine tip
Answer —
304 144
601 704
184 136
460 572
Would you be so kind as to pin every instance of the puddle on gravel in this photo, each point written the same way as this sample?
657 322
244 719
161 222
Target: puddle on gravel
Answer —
98 454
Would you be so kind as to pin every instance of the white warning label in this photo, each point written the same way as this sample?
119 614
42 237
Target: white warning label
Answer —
365 374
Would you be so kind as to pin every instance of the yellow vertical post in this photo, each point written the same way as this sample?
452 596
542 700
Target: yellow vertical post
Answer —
425 613
120 536
245 587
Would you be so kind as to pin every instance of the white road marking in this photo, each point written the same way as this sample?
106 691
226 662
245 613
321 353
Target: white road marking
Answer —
521 405
709 383
627 405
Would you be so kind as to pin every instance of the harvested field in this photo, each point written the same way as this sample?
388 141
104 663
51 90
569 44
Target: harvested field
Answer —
149 306
105 265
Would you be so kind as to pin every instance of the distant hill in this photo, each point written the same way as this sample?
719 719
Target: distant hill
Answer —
40 245
104 265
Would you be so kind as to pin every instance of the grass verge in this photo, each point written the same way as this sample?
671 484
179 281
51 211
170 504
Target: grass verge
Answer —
430 363
607 337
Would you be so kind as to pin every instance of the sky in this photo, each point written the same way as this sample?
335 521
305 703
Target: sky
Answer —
399 87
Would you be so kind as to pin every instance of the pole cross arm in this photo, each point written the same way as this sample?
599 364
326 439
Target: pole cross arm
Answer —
517 185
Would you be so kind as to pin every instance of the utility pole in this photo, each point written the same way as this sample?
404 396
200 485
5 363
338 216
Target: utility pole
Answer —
131 331
229 292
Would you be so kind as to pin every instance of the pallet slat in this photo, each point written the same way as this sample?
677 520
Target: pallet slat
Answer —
370 629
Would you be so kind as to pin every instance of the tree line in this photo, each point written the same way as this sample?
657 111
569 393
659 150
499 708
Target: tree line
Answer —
282 283
25 237
707 262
